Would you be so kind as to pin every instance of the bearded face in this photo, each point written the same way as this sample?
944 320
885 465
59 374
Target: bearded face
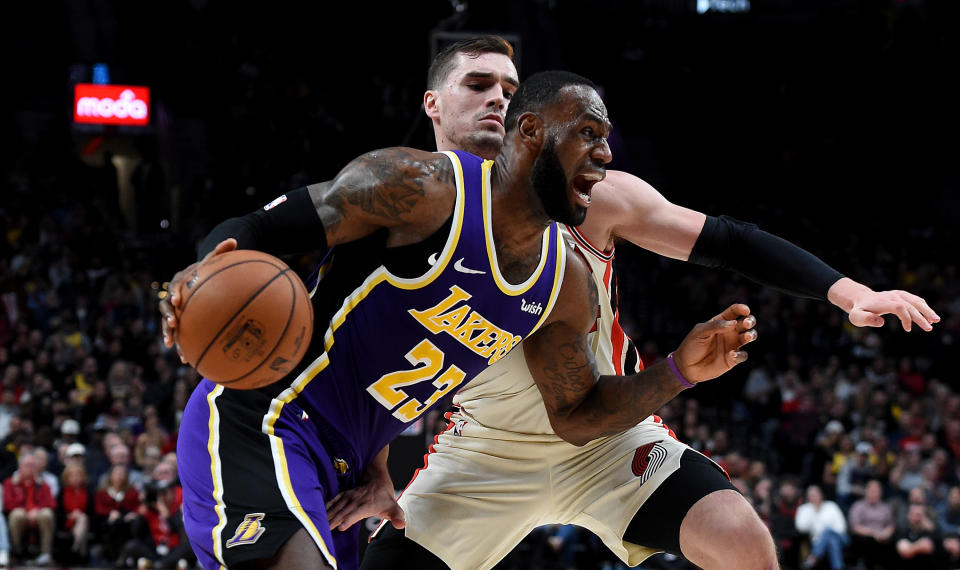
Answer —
552 187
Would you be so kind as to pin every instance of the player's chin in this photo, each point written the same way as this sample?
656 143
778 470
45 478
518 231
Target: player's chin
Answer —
576 216
484 143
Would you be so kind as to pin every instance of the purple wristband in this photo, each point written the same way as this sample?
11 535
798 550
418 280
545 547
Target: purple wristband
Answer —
676 372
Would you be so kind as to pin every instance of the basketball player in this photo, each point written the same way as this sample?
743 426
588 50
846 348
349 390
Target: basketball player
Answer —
440 265
501 470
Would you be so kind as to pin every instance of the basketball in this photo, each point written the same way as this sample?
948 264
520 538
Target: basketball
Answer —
245 319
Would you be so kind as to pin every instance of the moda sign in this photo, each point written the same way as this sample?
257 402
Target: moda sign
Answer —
111 104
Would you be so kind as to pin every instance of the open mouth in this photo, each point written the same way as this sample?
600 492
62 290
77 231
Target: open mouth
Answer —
583 185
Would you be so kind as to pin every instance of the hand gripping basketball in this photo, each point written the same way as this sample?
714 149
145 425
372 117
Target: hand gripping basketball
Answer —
243 318
173 301
714 347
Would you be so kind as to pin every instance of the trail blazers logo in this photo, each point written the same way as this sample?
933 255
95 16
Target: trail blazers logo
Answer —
647 459
248 531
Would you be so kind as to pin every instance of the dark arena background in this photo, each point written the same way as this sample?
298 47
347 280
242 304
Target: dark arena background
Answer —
832 123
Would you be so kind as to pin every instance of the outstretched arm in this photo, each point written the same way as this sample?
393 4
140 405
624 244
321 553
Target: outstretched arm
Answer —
629 208
582 405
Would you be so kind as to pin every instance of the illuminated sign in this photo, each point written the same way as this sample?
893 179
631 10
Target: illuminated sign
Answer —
111 104
730 6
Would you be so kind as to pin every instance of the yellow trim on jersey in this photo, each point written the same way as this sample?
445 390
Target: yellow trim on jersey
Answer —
321 273
557 278
213 448
290 497
377 277
504 286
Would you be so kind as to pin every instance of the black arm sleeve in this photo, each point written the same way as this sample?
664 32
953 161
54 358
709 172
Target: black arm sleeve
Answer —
763 257
290 224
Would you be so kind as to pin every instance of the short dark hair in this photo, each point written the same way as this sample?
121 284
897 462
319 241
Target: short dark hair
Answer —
540 90
473 47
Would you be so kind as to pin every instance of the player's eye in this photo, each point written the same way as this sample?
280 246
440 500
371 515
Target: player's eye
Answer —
508 95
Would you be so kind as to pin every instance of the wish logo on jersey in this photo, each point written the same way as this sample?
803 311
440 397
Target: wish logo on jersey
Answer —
647 459
467 326
249 531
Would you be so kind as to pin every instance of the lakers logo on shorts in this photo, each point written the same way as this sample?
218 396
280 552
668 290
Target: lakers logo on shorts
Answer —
647 459
248 531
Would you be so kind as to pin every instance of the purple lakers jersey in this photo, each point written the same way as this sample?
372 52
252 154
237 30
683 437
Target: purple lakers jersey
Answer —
398 346
398 330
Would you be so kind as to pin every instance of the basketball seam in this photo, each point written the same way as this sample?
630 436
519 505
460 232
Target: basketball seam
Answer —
238 311
206 279
283 333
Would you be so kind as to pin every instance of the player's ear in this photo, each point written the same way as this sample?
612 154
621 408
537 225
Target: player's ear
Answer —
531 128
431 104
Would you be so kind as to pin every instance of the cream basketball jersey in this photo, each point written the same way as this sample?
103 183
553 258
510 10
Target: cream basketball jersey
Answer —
503 400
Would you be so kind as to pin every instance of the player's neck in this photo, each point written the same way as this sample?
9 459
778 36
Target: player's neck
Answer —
518 215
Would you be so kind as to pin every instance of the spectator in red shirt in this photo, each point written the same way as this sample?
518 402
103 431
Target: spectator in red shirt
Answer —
75 501
158 535
29 505
115 505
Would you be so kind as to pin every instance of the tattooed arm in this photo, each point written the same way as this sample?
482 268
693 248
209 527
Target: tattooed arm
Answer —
583 405
409 192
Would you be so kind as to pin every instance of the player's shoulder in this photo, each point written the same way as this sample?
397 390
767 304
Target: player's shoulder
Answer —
412 160
426 172
578 292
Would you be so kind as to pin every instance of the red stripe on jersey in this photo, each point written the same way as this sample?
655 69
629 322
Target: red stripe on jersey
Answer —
606 277
585 243
619 339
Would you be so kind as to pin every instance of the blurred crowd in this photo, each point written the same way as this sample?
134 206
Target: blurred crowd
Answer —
90 398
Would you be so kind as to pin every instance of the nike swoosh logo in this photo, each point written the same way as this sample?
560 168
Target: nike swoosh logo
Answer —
459 267
432 260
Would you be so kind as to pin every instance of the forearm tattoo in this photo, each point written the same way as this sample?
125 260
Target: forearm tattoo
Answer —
591 405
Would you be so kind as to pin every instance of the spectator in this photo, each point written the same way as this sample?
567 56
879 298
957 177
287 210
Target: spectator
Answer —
157 533
151 458
97 453
70 431
74 454
782 521
827 444
763 499
29 505
119 454
871 527
908 471
853 476
43 460
824 522
115 505
916 541
949 516
153 436
916 496
75 503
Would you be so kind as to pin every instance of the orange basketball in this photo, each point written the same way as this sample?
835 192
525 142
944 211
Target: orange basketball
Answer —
245 320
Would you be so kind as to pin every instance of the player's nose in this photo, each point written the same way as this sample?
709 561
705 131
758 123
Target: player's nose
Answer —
497 99
602 153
